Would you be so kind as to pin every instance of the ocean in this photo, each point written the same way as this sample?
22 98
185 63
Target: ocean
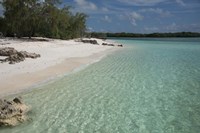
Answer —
151 85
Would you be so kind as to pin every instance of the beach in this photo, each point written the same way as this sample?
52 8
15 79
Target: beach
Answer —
58 57
88 66
150 85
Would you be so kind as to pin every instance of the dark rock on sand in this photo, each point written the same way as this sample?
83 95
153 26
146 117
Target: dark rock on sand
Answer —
13 112
15 56
108 44
89 41
29 55
120 45
7 51
111 44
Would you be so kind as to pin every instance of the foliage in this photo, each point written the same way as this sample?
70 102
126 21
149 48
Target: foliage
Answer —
123 34
36 18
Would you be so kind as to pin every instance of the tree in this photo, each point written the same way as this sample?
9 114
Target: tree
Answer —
33 17
77 25
53 2
1 24
20 16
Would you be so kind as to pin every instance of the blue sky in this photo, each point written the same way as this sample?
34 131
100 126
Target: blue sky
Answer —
139 16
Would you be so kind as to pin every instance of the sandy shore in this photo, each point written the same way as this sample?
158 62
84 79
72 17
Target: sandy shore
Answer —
58 57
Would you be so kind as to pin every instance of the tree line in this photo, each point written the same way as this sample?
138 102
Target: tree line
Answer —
124 34
36 18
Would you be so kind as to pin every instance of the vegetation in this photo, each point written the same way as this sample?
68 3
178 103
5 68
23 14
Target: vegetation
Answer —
123 34
47 19
35 18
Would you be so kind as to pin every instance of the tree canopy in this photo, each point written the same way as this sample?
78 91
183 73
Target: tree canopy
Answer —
36 18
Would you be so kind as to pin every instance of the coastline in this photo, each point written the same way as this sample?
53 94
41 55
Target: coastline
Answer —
22 77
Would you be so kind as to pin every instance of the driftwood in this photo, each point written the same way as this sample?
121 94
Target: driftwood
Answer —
15 56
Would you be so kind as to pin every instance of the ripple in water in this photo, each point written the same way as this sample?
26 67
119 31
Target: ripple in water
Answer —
148 87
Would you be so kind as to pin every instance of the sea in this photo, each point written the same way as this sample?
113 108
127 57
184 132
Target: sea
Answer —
151 85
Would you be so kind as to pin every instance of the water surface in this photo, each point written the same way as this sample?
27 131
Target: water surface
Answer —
150 86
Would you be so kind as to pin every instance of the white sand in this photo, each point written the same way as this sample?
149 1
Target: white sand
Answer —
57 57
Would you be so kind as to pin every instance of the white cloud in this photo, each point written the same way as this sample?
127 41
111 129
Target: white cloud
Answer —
107 19
193 28
121 16
141 2
86 5
172 27
105 9
180 2
151 29
90 29
157 11
182 27
133 17
103 30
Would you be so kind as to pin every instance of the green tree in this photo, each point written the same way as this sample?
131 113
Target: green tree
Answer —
36 18
20 16
77 25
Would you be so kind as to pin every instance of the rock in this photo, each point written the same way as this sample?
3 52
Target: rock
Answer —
120 45
111 45
108 44
14 56
4 43
89 41
7 51
18 100
29 55
13 112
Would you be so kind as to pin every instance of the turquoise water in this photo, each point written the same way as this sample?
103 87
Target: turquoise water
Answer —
150 86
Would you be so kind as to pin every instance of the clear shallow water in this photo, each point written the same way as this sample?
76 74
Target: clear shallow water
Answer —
150 86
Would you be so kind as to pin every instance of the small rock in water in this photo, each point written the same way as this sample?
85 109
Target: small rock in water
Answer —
13 112
17 100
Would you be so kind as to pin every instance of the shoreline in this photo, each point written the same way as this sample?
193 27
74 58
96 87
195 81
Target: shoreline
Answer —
17 83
